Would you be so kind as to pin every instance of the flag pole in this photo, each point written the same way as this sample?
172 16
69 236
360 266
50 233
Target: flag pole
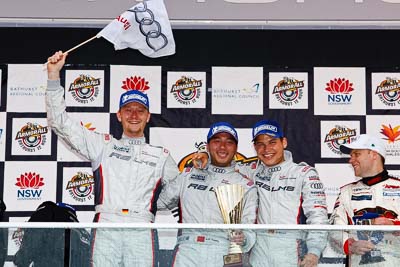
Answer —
79 45
75 47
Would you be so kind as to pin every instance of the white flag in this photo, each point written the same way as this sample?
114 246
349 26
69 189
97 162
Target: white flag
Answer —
144 27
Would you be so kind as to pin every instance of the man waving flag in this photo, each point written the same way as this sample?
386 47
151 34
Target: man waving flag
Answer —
144 27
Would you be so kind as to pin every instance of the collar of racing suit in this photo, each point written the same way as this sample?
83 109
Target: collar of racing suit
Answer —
133 141
287 159
221 170
380 177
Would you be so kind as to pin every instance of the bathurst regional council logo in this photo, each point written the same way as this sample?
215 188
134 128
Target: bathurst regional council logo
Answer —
339 135
388 91
32 137
288 91
186 90
84 89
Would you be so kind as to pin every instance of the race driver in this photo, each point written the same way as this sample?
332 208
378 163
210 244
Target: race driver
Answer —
373 199
289 193
194 191
129 173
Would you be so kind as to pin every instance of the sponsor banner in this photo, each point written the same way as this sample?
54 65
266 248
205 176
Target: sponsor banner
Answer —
78 186
237 90
96 122
186 89
385 90
84 88
146 79
288 90
30 136
387 128
189 138
339 91
328 173
336 133
15 236
26 84
29 183
2 135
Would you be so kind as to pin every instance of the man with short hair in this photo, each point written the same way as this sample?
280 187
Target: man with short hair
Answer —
289 193
129 173
194 191
374 199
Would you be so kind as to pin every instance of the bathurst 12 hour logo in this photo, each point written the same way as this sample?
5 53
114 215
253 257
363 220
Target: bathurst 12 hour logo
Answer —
29 184
80 187
339 91
186 90
388 91
32 137
84 89
288 91
339 135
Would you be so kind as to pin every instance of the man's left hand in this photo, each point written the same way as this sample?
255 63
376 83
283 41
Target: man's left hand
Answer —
309 260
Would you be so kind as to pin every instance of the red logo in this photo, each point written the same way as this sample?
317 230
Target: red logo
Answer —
339 86
392 134
135 83
391 186
88 126
29 180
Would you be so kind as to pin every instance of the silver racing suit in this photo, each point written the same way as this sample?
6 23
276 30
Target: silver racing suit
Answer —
194 192
289 193
129 175
357 203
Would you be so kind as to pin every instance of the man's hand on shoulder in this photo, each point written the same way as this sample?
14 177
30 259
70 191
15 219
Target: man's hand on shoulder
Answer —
309 260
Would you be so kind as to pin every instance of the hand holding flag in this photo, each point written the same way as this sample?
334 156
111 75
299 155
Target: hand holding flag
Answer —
144 27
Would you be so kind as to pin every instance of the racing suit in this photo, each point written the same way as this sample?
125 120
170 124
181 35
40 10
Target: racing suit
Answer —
129 175
194 191
379 194
289 193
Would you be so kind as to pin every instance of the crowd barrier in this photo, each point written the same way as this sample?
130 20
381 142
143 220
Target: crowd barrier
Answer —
70 242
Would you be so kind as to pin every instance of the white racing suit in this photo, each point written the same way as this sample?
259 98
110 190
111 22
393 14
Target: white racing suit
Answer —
198 204
380 195
129 175
289 193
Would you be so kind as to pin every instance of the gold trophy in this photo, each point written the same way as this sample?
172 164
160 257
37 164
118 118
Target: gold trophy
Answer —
230 202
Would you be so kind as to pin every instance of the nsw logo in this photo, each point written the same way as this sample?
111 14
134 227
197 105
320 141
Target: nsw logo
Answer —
339 91
29 186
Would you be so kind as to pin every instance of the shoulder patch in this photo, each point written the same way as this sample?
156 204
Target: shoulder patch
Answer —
253 165
107 137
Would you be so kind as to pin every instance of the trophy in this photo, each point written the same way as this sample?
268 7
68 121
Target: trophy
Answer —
230 202
375 255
